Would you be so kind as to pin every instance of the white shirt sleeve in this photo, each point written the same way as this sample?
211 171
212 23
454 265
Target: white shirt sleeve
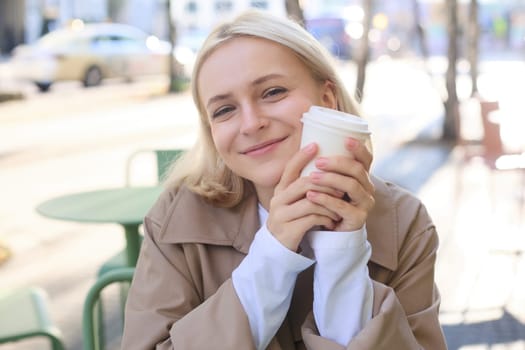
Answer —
264 282
343 292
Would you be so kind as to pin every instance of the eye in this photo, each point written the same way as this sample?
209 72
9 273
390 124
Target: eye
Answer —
222 111
274 92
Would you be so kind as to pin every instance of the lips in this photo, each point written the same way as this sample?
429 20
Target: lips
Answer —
261 147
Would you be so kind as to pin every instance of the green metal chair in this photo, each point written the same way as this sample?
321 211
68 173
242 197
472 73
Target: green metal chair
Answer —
93 338
24 314
164 159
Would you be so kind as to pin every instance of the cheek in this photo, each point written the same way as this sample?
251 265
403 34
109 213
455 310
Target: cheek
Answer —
291 110
222 138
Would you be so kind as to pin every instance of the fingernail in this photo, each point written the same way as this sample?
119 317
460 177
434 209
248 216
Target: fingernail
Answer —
310 148
316 175
351 142
321 162
311 194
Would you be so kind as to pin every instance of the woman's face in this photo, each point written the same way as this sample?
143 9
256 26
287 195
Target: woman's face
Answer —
254 92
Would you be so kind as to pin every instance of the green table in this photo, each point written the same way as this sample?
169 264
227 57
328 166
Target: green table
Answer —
126 206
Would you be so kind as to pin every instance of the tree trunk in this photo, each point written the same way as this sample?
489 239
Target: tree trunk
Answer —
115 8
419 30
364 51
294 11
175 83
473 44
451 124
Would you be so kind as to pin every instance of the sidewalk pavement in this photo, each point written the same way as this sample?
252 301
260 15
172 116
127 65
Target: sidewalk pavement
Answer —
480 268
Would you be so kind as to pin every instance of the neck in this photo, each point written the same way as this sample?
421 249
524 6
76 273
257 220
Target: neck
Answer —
264 195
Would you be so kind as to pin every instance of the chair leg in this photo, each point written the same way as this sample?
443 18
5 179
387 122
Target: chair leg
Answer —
100 334
521 205
124 288
56 343
92 331
492 190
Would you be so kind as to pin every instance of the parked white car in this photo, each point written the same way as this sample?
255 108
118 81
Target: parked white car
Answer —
91 52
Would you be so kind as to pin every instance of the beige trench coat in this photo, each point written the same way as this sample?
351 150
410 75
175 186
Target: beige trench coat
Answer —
182 296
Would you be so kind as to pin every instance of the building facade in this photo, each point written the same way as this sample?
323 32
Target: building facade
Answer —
24 21
204 14
12 19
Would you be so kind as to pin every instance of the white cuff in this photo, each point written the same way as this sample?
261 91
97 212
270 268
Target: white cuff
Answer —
264 282
343 293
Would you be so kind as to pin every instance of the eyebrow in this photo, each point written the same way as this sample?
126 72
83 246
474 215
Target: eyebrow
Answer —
257 81
265 78
217 98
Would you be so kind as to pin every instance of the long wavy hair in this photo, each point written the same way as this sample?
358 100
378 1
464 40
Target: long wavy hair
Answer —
201 168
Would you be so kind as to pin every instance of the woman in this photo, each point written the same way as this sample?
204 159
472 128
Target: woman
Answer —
234 256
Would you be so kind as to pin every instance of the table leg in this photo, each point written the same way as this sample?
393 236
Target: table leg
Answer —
132 244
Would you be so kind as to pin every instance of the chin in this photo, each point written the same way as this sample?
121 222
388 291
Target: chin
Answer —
268 178
265 175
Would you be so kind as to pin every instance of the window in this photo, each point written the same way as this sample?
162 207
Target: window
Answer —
223 6
260 4
191 7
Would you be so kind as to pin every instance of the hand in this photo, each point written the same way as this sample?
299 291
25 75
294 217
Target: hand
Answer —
291 214
347 174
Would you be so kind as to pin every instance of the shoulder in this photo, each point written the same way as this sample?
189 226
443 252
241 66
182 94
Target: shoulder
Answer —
405 208
170 199
397 218
182 216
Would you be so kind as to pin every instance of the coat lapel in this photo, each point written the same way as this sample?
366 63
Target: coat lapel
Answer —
193 220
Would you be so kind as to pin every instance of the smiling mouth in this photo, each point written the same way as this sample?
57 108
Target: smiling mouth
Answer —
263 147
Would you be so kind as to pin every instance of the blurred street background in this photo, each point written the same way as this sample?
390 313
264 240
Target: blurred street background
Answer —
73 136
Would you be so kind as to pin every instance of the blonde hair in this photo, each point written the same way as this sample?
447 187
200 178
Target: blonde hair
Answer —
201 169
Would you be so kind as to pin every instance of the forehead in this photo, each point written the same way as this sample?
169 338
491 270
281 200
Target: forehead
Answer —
242 46
243 59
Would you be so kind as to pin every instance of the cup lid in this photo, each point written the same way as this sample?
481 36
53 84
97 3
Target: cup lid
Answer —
336 119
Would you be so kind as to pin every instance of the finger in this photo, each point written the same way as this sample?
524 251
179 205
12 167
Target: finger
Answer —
352 217
312 221
294 232
289 223
344 166
358 195
359 151
296 164
303 208
297 190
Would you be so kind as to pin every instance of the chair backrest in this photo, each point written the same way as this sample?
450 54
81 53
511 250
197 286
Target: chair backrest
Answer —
24 314
164 158
492 143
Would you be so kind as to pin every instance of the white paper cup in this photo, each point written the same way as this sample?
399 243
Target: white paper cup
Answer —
329 128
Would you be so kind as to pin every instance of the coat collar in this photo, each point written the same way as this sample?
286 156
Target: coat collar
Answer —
191 219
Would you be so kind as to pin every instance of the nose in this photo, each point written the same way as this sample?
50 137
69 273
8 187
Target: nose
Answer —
252 120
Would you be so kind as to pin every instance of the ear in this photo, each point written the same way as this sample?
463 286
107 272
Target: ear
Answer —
328 95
